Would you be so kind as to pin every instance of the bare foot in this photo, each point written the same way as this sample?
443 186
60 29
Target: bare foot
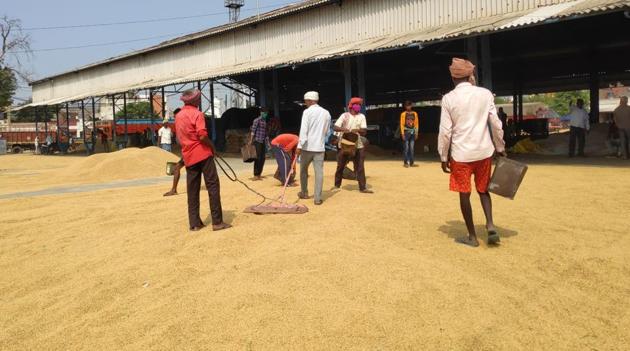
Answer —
257 178
293 185
217 227
367 191
171 193
302 196
467 241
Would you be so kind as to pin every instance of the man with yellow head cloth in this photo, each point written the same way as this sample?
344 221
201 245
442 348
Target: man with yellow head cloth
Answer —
470 134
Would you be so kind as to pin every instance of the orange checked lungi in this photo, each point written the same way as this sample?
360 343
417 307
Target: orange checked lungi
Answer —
462 171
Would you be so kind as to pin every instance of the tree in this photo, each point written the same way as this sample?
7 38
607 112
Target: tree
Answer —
14 45
8 84
560 101
136 110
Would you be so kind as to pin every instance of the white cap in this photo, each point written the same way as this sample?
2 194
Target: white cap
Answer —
311 95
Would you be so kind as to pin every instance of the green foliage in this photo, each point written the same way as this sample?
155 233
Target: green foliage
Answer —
136 110
499 100
8 84
559 102
30 114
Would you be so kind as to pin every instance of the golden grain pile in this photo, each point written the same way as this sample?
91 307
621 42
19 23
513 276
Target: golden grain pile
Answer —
117 269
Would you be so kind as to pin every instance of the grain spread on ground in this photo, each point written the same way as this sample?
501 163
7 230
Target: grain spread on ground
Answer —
117 269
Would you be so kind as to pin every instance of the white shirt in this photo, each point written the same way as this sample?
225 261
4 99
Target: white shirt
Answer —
347 120
314 128
467 112
166 135
579 118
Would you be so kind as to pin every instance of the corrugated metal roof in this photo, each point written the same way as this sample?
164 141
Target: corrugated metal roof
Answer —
249 21
578 8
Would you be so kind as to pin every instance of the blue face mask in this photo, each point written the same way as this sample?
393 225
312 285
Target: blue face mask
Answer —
264 115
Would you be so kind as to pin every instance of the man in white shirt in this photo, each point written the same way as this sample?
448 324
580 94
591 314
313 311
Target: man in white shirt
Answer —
313 130
468 112
579 126
165 137
352 122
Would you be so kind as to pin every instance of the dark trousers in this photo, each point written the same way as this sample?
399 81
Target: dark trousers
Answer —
284 164
208 170
624 137
409 143
358 161
259 163
578 134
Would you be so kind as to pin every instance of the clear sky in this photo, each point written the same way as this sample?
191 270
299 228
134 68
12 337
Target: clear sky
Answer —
55 13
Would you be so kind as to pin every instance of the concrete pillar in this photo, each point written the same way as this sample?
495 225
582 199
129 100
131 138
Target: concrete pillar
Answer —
472 50
486 63
347 75
361 76
262 93
276 93
594 95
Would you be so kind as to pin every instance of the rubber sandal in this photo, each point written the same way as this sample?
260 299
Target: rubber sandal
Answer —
467 241
493 237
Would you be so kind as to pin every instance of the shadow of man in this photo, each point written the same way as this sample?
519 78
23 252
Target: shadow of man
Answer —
455 229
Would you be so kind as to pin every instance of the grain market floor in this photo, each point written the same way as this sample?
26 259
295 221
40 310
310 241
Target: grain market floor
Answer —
116 268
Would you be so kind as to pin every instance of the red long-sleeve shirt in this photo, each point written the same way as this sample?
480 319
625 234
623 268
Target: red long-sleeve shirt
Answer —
286 142
190 126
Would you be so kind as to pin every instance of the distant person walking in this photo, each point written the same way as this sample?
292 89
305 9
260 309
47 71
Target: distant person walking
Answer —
165 137
198 153
104 141
621 116
258 137
466 146
579 126
352 122
177 169
503 117
409 129
313 131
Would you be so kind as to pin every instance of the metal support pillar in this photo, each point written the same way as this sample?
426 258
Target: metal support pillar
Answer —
46 121
36 121
276 93
164 117
57 132
114 133
200 102
125 115
520 107
93 136
68 122
594 95
87 150
472 50
262 91
347 75
486 63
514 106
212 120
151 116
361 79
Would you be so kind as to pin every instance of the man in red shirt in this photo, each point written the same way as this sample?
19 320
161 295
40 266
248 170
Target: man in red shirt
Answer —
283 147
198 154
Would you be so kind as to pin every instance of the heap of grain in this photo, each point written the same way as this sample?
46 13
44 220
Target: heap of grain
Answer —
235 138
130 163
